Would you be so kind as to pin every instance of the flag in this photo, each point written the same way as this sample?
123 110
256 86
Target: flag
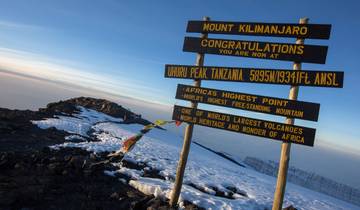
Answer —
130 143
147 128
161 122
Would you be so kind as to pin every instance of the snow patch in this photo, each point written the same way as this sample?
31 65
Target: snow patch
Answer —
74 138
78 124
160 150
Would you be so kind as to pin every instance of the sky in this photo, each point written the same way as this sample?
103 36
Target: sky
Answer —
121 48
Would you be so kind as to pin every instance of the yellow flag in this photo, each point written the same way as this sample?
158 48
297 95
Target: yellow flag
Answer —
160 122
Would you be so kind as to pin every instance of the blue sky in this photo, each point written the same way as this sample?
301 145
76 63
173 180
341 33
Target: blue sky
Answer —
122 46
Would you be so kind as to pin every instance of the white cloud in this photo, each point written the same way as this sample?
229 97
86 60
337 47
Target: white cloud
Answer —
16 25
36 65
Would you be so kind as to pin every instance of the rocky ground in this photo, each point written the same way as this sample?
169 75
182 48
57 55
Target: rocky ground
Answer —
34 177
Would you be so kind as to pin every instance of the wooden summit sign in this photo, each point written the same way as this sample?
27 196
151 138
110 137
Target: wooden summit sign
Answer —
250 126
333 79
291 108
256 103
314 31
255 49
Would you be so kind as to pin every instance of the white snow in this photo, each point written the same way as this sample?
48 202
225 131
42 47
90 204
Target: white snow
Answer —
78 123
74 138
160 149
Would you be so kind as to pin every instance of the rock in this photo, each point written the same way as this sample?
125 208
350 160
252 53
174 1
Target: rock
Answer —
97 166
64 172
46 150
45 160
55 168
131 194
3 164
190 206
17 166
93 157
152 173
34 157
87 172
54 159
291 207
141 204
67 158
39 165
77 161
154 204
115 196
116 158
7 160
7 199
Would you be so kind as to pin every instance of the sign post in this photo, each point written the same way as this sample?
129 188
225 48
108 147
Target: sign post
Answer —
290 108
285 146
187 138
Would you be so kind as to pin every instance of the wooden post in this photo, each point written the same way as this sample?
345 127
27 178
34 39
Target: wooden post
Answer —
187 138
285 146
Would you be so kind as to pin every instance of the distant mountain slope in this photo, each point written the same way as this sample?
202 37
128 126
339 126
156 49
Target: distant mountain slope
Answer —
227 157
309 180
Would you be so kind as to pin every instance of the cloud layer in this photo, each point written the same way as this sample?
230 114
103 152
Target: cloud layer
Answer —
62 71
